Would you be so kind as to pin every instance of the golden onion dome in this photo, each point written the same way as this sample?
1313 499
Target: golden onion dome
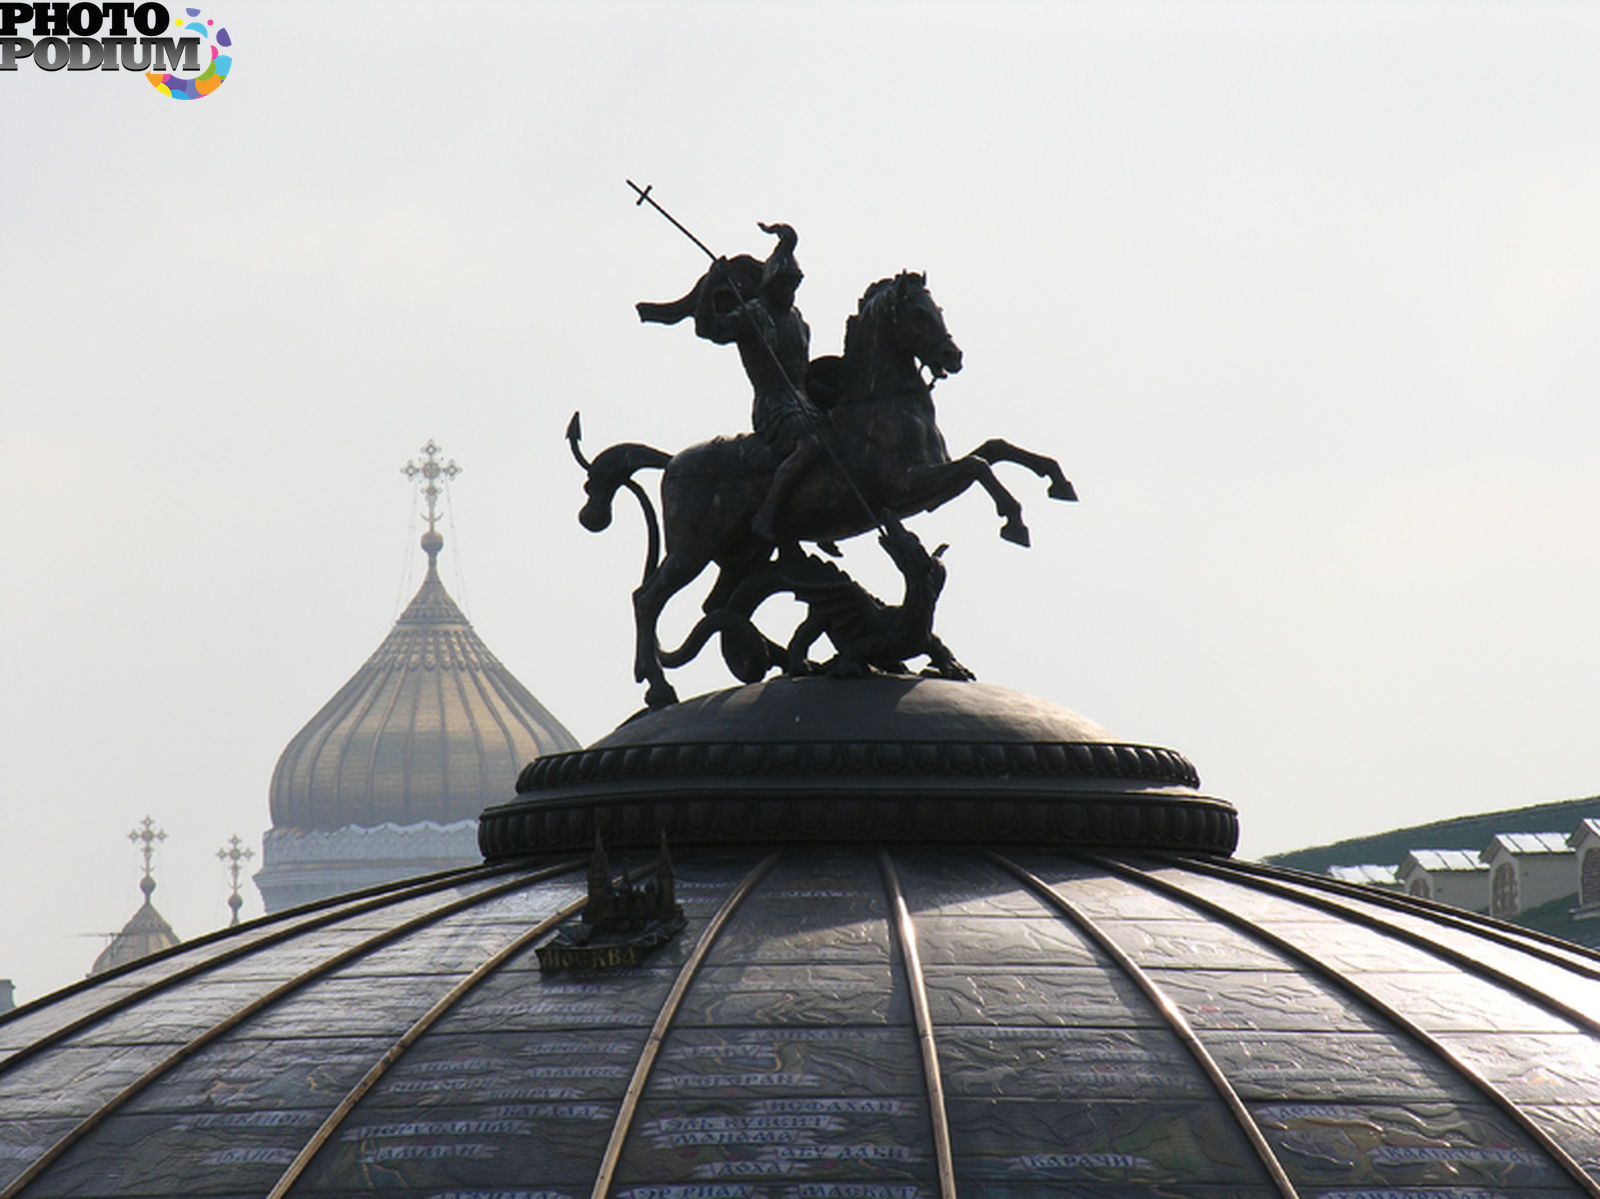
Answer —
431 728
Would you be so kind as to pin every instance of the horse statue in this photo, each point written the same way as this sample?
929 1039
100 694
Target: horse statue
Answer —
885 453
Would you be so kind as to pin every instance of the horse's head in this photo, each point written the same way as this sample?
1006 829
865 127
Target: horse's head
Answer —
919 326
896 331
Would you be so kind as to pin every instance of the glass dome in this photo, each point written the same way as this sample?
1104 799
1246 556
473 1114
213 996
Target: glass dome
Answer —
1035 980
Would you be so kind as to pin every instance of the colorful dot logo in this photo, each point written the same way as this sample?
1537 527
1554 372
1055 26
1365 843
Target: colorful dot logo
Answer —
216 71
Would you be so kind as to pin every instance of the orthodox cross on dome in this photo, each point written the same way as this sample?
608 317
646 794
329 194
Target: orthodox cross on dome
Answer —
146 835
235 853
432 471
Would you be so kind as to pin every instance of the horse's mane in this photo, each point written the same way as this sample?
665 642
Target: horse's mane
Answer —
869 297
874 290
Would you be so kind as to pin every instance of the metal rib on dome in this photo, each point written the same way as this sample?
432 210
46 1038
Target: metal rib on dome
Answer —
1351 984
431 728
905 936
1175 1019
408 1042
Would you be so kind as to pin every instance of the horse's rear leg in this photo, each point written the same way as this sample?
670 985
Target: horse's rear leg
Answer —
997 449
675 573
930 486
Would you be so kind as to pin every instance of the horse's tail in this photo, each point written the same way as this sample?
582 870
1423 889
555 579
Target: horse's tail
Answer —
745 648
611 469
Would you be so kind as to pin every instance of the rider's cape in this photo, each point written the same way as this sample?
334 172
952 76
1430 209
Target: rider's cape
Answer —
738 278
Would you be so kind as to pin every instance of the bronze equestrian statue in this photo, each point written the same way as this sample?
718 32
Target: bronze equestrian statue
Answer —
869 415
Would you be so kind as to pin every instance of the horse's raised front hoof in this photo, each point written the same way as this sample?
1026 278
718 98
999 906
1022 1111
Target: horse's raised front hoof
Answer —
595 515
660 695
1062 490
1016 532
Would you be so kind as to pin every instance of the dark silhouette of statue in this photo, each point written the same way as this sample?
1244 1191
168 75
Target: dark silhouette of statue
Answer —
843 445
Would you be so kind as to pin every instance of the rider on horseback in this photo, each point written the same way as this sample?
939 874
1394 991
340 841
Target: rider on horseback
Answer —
774 345
881 412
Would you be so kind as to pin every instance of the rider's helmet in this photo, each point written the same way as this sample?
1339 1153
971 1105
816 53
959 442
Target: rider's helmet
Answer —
781 264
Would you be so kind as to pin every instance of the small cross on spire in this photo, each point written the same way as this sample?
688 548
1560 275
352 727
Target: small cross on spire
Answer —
146 835
236 854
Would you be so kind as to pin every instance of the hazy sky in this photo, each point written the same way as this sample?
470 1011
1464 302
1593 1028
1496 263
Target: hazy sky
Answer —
1303 295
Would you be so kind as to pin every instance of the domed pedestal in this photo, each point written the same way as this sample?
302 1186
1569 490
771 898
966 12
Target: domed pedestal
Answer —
866 760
